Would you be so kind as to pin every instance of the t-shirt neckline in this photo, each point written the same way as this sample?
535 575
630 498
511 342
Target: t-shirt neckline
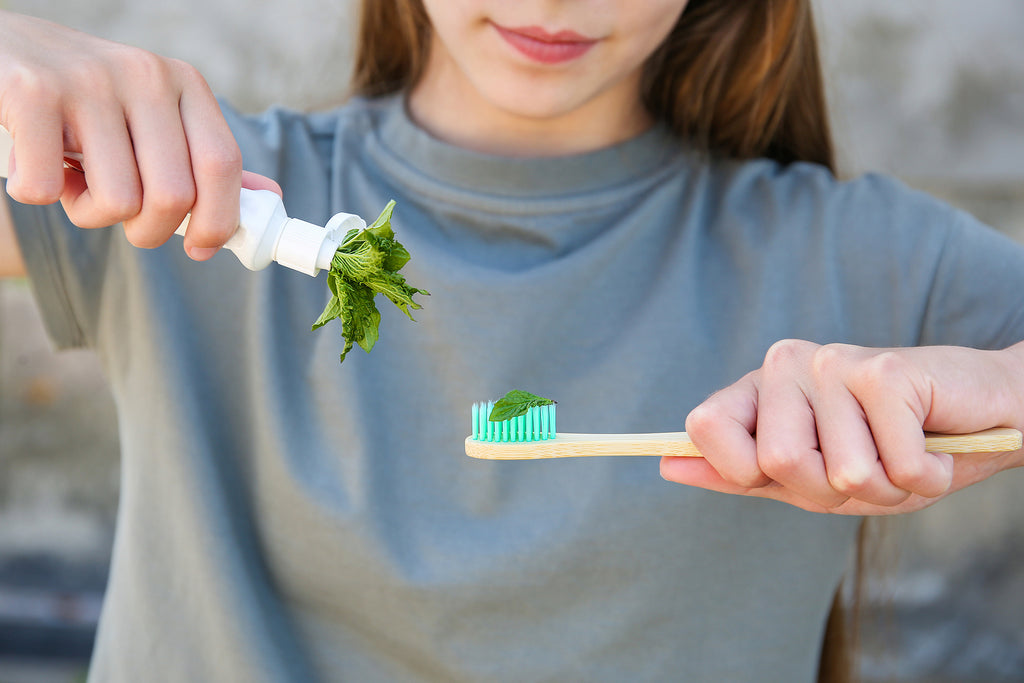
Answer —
406 143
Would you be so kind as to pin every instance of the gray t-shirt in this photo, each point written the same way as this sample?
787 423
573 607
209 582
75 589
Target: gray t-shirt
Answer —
287 518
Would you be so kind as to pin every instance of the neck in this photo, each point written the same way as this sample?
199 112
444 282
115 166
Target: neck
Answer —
450 109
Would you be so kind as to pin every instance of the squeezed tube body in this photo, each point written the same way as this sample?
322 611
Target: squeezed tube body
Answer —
266 234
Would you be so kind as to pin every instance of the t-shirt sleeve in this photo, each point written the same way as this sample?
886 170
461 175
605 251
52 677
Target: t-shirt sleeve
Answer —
977 297
923 271
869 260
66 268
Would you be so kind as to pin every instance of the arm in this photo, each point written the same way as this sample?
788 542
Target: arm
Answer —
839 428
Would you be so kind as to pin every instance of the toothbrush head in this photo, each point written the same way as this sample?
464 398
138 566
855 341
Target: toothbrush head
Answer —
536 424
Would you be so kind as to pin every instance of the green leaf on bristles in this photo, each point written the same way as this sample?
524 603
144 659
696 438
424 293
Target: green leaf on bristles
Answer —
515 403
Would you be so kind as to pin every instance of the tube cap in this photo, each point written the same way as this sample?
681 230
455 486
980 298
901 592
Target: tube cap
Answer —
300 245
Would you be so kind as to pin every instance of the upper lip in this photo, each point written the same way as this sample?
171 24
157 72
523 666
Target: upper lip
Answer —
542 34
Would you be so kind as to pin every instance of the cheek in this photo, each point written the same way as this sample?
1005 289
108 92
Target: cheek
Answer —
459 31
453 19
641 28
647 29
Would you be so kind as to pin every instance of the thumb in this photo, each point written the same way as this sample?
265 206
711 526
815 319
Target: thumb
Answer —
255 181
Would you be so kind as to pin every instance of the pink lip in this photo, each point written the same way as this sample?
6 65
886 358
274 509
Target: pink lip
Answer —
542 46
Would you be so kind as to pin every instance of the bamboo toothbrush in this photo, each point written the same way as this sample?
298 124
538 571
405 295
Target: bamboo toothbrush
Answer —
533 435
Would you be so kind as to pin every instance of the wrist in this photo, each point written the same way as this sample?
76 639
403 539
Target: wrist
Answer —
1011 399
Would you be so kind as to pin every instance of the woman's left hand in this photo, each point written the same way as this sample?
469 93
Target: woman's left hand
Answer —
840 428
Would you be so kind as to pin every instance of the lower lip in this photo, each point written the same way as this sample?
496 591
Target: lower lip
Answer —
543 51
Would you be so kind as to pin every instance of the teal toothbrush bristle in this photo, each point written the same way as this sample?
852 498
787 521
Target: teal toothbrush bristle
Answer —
538 424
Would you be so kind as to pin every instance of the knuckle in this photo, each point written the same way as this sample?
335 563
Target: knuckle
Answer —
778 462
828 359
221 161
145 65
217 235
881 371
143 78
142 235
118 205
37 193
208 233
748 477
170 201
783 353
701 420
886 364
851 478
910 474
186 73
32 84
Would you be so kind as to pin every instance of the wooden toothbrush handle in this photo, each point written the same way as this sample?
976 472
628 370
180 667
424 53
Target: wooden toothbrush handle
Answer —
993 440
678 444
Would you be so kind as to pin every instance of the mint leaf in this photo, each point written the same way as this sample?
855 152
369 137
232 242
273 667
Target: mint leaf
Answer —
515 403
367 264
332 311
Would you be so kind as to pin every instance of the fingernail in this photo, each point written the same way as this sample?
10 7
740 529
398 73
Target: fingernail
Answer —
201 253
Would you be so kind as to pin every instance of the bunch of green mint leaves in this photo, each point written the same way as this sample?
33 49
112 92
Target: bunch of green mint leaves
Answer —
367 264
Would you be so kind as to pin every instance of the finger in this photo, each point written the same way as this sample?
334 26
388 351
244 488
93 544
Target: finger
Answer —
896 401
722 430
37 162
907 463
216 167
112 191
255 181
852 464
698 472
787 436
901 449
168 189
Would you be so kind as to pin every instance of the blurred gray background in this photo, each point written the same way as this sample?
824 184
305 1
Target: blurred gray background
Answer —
929 90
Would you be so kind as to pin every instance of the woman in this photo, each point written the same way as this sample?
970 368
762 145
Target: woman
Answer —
604 201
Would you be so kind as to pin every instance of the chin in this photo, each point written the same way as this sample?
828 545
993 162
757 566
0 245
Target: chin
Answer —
536 111
530 102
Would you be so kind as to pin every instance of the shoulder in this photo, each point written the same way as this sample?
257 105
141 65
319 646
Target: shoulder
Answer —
305 152
766 199
768 185
280 135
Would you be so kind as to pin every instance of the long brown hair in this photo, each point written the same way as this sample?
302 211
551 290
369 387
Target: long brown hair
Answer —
741 78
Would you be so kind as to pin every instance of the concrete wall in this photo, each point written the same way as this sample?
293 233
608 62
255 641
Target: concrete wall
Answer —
930 90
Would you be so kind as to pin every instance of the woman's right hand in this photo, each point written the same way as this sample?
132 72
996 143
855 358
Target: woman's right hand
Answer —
154 142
